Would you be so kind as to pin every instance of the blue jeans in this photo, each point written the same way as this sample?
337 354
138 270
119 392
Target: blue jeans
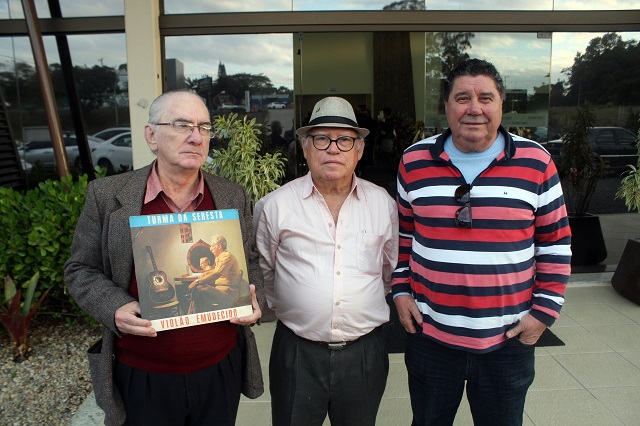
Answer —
496 382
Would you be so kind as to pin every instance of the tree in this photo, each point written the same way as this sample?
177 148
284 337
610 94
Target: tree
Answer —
95 86
222 70
539 99
21 83
405 5
605 73
557 95
444 51
237 84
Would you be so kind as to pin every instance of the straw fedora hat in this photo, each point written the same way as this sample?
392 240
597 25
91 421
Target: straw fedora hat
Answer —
333 112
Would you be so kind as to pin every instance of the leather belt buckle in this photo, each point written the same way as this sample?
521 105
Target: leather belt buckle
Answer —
336 346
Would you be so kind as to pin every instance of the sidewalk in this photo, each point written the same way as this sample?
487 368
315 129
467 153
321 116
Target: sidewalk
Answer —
593 380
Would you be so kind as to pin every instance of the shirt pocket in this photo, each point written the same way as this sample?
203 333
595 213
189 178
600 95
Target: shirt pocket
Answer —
369 253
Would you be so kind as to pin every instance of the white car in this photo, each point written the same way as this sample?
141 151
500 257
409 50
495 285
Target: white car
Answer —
110 132
41 151
26 166
114 154
276 105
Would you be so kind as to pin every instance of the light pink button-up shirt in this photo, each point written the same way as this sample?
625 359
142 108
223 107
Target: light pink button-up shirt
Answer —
327 281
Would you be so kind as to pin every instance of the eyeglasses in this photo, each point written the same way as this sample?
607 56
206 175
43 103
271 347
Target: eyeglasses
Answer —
463 215
323 142
185 128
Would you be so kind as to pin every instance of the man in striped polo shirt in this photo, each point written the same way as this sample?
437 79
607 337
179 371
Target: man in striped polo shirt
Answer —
484 256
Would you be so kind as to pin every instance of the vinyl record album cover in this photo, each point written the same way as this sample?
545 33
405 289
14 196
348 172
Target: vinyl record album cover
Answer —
190 268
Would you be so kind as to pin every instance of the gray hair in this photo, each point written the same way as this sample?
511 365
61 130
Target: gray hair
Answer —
158 106
219 239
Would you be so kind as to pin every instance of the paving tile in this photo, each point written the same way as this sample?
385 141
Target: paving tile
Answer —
568 408
632 356
576 340
565 320
578 295
623 402
254 413
596 314
394 411
629 309
397 385
463 416
551 375
597 370
623 337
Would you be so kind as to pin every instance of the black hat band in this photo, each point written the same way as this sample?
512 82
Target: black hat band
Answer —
332 119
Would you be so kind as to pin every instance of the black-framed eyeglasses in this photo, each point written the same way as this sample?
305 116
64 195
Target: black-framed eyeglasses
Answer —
323 142
463 215
186 128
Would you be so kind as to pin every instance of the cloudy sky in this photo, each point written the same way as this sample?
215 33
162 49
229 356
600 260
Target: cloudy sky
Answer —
272 54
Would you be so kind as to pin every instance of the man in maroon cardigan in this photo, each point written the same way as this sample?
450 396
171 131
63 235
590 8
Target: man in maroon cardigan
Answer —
191 375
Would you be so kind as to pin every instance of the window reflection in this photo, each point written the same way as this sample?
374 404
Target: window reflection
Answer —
249 75
12 9
101 77
489 5
523 60
222 6
179 6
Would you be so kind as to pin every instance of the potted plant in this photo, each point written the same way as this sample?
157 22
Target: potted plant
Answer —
626 278
241 161
581 169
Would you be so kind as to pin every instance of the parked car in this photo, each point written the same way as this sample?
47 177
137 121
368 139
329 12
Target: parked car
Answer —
41 151
615 145
229 106
276 105
115 153
110 132
543 134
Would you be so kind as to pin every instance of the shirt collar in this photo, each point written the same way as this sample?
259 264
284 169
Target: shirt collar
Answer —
308 187
155 188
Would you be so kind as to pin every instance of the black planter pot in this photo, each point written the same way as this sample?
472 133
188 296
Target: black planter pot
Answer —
587 242
626 278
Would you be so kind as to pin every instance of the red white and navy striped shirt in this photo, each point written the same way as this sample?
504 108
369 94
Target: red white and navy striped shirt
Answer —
472 285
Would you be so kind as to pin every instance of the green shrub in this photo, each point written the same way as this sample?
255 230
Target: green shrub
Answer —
36 230
241 161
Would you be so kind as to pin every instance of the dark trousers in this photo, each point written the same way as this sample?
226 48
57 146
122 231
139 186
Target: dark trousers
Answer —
206 397
496 382
307 380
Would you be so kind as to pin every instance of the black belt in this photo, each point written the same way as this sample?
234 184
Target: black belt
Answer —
334 346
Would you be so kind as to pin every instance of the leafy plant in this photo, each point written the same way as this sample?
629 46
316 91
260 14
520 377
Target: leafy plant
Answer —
16 320
629 190
36 230
581 167
241 162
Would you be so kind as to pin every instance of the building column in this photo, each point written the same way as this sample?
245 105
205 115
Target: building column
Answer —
144 68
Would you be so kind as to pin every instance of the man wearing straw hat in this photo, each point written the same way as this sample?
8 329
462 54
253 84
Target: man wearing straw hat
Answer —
328 243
